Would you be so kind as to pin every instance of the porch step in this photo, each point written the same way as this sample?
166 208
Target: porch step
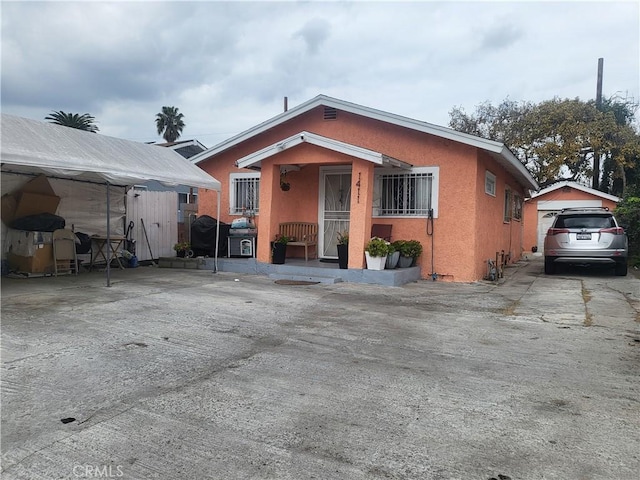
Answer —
305 278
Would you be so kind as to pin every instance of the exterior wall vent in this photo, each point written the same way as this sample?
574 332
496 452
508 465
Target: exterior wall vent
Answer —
330 113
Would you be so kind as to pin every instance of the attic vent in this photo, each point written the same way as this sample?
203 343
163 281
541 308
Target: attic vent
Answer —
330 113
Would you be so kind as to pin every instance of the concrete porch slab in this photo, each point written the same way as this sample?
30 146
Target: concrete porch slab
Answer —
298 268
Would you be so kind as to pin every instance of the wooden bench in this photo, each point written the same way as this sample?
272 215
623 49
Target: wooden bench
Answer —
304 234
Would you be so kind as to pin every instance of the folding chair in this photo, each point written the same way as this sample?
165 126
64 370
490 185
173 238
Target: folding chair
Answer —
64 252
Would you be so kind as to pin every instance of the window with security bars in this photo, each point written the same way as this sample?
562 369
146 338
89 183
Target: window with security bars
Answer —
405 193
508 205
245 193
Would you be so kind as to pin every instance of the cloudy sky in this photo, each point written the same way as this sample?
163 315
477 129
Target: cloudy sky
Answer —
228 65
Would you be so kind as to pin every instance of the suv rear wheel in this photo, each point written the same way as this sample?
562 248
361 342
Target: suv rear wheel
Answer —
621 268
549 266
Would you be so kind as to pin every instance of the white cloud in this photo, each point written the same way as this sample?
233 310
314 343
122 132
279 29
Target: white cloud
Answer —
228 65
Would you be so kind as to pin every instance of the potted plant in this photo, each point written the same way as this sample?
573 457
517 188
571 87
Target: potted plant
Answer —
279 249
409 251
376 252
394 255
343 249
182 248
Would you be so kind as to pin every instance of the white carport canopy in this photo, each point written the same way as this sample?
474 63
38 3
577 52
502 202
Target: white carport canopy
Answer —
29 146
32 147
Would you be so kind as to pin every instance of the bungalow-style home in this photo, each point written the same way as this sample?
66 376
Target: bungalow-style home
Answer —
540 210
348 167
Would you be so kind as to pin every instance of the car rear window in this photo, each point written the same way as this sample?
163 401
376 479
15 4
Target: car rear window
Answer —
584 221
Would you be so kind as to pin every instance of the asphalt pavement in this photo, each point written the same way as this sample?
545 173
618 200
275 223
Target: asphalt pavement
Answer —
185 374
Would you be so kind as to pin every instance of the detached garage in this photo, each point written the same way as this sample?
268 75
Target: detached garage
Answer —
540 210
82 176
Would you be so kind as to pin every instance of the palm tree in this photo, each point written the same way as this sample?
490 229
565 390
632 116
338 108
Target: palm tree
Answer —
81 122
170 122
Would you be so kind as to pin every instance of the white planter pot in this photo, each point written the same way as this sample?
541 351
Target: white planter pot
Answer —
375 263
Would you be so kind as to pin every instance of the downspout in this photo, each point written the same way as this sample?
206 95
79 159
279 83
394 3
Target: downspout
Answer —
434 275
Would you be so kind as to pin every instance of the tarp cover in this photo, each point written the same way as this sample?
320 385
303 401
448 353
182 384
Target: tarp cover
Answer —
29 146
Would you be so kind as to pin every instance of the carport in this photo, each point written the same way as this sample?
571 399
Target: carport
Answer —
30 148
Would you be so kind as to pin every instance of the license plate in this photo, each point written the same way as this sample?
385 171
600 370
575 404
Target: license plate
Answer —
583 236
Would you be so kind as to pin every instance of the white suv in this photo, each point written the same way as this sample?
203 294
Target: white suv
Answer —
586 236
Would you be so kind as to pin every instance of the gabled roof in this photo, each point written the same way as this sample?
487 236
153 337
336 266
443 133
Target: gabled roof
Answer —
496 149
30 146
254 159
577 186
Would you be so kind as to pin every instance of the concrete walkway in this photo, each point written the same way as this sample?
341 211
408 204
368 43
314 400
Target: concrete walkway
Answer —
185 374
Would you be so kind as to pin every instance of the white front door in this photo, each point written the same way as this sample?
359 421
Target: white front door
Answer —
335 206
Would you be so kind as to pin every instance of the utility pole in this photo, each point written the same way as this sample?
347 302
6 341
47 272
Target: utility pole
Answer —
596 154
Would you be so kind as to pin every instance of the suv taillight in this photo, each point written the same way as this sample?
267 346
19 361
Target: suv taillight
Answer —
614 230
557 231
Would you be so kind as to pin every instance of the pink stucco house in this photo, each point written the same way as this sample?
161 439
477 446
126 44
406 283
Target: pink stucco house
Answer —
350 166
540 210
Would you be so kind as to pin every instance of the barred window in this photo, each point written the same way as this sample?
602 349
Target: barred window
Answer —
245 193
517 207
405 194
508 205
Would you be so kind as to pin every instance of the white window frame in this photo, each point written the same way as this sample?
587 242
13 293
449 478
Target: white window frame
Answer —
233 178
377 191
489 183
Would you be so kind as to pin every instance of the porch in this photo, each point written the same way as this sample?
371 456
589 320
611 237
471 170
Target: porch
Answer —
298 270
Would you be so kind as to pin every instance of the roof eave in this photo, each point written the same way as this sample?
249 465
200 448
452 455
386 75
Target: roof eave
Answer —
577 186
444 132
254 159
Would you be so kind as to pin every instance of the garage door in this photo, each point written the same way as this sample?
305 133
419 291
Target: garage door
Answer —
545 220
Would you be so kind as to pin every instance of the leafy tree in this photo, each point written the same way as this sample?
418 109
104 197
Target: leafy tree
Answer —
628 214
621 165
169 123
81 122
556 139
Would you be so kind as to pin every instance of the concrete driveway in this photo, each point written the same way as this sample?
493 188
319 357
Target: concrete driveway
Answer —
175 374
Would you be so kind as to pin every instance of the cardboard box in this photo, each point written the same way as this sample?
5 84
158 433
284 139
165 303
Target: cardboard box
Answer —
34 203
34 197
40 184
9 204
40 262
30 252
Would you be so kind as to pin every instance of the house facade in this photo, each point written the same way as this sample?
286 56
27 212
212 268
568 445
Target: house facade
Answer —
348 167
540 210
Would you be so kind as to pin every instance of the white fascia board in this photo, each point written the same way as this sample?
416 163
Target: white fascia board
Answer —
577 186
342 147
514 166
306 137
